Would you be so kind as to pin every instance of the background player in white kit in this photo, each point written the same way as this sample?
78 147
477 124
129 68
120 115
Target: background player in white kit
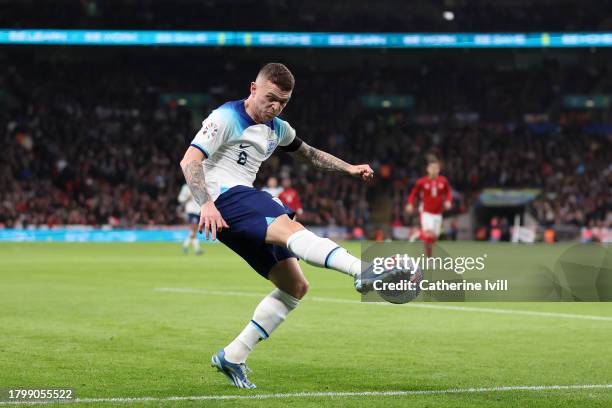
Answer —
272 187
220 167
192 215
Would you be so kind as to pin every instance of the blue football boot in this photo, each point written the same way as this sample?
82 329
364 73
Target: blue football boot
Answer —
235 373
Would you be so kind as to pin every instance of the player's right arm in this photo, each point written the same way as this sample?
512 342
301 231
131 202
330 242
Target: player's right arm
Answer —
413 193
211 136
210 217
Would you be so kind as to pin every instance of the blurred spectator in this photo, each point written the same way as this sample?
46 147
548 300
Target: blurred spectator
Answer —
272 187
290 197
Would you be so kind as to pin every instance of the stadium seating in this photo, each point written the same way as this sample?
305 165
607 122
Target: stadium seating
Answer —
94 144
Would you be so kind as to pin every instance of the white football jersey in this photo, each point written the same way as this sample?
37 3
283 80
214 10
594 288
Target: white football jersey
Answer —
235 146
185 197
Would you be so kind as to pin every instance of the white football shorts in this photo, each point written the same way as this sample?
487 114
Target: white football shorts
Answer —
431 222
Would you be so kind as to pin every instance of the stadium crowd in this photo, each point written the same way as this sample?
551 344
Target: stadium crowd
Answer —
573 170
314 15
96 145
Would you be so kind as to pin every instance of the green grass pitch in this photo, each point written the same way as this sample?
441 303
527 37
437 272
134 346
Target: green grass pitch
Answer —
142 320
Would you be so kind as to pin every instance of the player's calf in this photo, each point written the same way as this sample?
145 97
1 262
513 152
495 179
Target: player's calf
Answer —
268 315
429 239
317 251
322 252
287 276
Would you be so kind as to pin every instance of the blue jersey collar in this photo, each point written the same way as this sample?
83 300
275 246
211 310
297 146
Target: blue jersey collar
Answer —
239 107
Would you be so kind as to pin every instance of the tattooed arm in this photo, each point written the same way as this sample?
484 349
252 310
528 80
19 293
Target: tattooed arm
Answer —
194 175
327 162
210 218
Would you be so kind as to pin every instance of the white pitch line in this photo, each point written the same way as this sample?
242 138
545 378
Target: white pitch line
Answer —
415 305
325 394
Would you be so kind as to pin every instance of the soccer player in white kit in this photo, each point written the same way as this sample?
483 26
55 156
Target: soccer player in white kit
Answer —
192 214
220 167
272 187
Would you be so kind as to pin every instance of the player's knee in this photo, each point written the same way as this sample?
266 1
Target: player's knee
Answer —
301 288
281 229
294 226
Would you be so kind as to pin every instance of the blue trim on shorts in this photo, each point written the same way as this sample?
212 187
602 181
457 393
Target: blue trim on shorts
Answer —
193 218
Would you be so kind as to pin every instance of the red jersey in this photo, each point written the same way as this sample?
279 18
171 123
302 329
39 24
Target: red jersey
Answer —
291 199
432 193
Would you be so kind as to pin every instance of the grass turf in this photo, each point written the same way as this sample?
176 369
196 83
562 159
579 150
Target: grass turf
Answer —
89 317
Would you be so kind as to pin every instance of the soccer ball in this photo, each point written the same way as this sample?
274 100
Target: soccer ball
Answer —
408 284
398 285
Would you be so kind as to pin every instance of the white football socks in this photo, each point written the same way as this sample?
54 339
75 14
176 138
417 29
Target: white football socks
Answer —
268 315
323 252
275 307
195 243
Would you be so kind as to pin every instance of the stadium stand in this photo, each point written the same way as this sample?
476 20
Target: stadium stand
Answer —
90 142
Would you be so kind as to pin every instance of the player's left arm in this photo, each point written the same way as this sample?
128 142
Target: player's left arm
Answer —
327 162
449 196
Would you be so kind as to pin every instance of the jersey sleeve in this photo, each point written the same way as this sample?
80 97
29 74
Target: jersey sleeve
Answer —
415 190
286 133
298 203
215 131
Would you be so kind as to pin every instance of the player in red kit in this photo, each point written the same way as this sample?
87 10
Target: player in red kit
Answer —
435 196
290 197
